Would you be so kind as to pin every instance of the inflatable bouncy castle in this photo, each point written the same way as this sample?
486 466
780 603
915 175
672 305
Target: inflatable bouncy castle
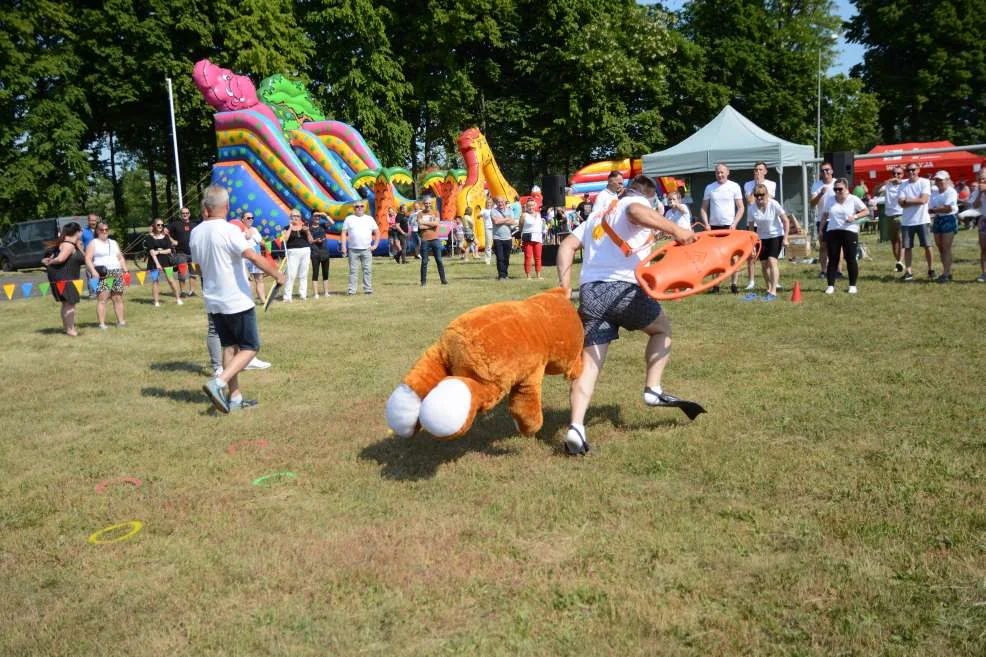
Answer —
276 151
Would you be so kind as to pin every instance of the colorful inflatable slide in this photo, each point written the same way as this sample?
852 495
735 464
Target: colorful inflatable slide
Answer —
277 152
591 179
482 173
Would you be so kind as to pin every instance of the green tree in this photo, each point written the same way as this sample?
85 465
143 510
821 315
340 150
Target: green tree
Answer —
849 115
926 63
43 108
356 75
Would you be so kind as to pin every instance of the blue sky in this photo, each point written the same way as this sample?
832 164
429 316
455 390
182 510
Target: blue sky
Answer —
849 54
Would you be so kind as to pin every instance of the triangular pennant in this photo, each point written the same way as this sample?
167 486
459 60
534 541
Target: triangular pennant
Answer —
26 289
126 279
78 285
140 276
43 288
169 271
93 284
182 269
155 274
60 286
8 289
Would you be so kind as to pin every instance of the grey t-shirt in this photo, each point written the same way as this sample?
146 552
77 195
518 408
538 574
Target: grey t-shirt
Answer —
501 231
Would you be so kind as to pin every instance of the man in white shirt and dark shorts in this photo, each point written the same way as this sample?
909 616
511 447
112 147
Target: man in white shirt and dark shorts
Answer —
610 298
892 210
915 221
722 209
219 248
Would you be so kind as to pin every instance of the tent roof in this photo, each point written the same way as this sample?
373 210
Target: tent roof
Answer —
731 138
959 164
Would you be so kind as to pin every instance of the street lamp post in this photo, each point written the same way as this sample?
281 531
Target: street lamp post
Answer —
818 116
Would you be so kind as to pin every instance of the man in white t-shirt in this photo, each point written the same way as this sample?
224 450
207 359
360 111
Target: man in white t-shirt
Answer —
759 178
915 221
890 191
359 240
610 298
614 186
722 208
219 248
821 194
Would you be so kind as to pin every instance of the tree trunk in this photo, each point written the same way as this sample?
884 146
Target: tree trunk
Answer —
118 208
152 179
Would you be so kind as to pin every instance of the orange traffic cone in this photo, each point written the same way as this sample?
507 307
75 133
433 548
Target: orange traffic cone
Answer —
796 294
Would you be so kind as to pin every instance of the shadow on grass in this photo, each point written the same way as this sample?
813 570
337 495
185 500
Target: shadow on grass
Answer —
188 396
177 366
51 330
419 457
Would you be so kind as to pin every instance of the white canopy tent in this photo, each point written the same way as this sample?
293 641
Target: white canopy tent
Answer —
732 138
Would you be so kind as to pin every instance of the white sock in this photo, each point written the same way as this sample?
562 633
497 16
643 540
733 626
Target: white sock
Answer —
651 394
236 397
578 427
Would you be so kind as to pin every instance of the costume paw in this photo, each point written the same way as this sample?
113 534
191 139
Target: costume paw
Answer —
447 410
403 409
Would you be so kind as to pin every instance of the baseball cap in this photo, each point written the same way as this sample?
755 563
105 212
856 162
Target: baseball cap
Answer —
942 175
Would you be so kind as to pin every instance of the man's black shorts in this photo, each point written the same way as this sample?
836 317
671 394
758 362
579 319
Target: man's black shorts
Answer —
605 306
238 329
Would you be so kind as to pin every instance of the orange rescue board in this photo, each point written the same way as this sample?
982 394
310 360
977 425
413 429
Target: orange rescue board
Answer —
675 271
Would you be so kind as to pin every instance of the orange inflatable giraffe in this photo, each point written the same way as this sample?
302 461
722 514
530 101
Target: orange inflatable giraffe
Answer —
481 172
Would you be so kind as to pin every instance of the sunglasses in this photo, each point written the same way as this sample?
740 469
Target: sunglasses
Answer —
247 218
826 170
159 225
759 195
913 169
839 189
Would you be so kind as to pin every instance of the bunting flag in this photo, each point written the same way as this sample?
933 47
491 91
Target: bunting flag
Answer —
182 269
155 274
43 288
126 279
169 271
60 286
140 277
78 285
93 283
8 289
26 289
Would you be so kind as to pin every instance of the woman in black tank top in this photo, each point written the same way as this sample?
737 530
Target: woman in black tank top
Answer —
64 266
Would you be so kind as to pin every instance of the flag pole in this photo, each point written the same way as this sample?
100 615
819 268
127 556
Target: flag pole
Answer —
174 141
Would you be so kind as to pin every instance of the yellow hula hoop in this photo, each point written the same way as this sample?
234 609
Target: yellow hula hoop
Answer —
135 527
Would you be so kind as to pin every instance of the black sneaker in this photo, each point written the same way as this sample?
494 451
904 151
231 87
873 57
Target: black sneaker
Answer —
931 273
690 408
944 278
822 274
734 289
907 277
575 442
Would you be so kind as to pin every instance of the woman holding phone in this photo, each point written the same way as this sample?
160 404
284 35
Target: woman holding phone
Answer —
160 256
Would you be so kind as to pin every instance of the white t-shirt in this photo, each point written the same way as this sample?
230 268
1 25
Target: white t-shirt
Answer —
826 197
949 197
750 184
722 202
839 213
602 259
359 231
603 200
533 226
217 246
105 254
682 217
769 221
891 204
915 215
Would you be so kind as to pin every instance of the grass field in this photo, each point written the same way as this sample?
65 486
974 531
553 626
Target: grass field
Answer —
831 502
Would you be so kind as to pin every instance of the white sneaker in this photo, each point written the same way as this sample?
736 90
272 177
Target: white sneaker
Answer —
217 372
316 296
751 285
157 304
257 364
830 290
180 302
852 289
575 441
102 327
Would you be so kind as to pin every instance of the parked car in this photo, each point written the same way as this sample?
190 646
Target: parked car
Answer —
23 245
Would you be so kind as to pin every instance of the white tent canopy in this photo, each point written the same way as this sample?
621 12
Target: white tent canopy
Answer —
731 138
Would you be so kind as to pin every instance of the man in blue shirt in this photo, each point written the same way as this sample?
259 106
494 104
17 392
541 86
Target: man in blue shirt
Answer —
88 235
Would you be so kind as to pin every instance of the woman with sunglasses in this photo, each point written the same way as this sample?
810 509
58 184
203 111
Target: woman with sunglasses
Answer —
767 217
297 245
838 224
256 241
104 256
63 265
159 256
944 208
